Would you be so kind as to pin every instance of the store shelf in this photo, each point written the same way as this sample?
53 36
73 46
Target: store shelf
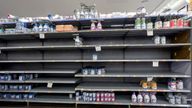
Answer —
41 71
53 99
96 61
44 99
122 100
93 46
123 87
44 90
138 74
46 80
100 33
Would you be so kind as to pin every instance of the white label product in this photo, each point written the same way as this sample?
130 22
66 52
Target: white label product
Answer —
163 40
172 100
134 98
150 25
146 98
153 98
180 84
157 39
177 99
140 98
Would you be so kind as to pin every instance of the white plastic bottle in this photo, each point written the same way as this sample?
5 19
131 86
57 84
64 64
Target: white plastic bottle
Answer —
93 26
99 26
134 98
140 98
153 98
146 98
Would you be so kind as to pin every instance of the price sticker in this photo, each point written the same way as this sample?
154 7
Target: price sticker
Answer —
150 32
155 64
149 78
42 36
49 85
98 48
94 56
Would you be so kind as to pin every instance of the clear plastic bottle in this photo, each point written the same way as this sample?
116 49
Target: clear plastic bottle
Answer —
99 26
40 28
143 23
93 26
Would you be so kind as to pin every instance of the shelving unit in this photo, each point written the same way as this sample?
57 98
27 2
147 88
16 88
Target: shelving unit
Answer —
126 53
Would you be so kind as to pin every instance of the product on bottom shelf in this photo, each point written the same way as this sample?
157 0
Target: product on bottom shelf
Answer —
95 96
89 70
17 96
177 98
144 98
174 84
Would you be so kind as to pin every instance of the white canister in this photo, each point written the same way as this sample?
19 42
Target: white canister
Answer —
146 98
180 84
153 98
140 98
163 40
134 98
157 39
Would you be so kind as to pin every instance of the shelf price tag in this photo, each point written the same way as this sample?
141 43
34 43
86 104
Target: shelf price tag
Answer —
150 32
155 63
49 85
98 48
149 78
42 36
94 56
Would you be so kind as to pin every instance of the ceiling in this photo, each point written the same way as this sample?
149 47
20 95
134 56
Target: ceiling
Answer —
66 7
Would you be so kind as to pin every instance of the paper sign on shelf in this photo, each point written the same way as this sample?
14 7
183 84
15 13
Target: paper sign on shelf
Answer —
150 32
94 56
155 63
42 36
98 48
49 85
149 78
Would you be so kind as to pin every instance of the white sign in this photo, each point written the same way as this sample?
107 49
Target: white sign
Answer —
42 36
94 56
49 85
155 64
150 32
149 78
98 48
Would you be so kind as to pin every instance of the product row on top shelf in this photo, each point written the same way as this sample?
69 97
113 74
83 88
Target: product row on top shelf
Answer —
139 23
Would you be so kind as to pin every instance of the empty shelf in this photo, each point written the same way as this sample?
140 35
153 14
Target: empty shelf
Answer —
81 61
42 71
93 46
46 80
44 90
138 74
